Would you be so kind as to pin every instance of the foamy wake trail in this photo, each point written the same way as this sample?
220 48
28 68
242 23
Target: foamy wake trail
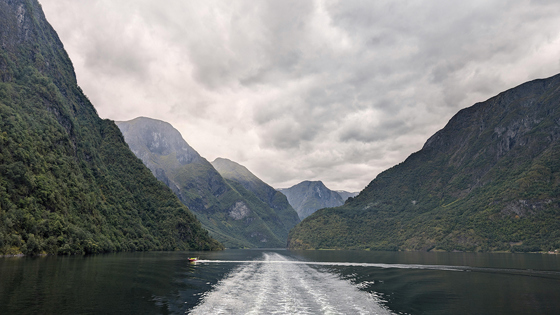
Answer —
276 288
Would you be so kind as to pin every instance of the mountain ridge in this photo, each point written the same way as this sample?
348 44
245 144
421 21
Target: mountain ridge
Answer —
310 196
232 213
233 171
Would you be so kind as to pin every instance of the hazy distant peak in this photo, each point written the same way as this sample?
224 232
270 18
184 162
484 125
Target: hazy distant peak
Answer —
232 170
310 196
346 194
228 163
142 119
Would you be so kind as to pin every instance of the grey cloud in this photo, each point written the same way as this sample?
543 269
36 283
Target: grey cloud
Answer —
387 129
287 133
242 41
108 57
329 90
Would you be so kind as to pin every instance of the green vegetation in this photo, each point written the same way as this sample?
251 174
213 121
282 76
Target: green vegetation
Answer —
233 213
488 181
257 228
247 184
68 182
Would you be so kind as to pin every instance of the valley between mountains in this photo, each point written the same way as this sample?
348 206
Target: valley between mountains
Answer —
238 208
488 181
73 183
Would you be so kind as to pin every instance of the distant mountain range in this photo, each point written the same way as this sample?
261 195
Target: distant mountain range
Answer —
68 182
310 196
237 208
488 181
346 194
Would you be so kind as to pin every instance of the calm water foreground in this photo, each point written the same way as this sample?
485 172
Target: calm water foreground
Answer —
282 282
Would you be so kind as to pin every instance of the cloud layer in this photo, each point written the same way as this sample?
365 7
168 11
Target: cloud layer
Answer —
336 91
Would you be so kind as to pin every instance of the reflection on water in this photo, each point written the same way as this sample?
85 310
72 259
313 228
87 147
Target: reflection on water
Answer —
282 282
485 284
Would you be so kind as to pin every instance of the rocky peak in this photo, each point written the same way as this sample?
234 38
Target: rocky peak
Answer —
310 196
159 138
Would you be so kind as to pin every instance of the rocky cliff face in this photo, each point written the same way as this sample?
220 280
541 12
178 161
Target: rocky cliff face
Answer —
160 138
163 150
310 196
489 180
233 214
27 39
68 182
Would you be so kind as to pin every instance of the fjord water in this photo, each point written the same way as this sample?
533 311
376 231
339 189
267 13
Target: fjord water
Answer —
282 282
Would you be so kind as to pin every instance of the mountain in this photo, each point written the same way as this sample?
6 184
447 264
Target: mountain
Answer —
488 181
237 173
234 215
68 182
310 196
346 194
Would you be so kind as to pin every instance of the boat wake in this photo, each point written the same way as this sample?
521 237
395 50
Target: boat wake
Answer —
525 272
277 285
344 264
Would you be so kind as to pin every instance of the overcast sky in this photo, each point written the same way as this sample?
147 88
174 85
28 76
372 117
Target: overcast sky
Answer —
336 91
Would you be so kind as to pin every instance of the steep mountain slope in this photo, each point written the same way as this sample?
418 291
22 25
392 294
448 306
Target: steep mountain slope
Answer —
310 196
235 172
68 182
232 214
488 181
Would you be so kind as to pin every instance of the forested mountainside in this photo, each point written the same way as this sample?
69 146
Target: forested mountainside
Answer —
488 181
234 215
238 173
310 196
68 182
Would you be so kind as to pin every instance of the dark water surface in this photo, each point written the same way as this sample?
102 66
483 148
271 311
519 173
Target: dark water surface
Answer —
282 282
